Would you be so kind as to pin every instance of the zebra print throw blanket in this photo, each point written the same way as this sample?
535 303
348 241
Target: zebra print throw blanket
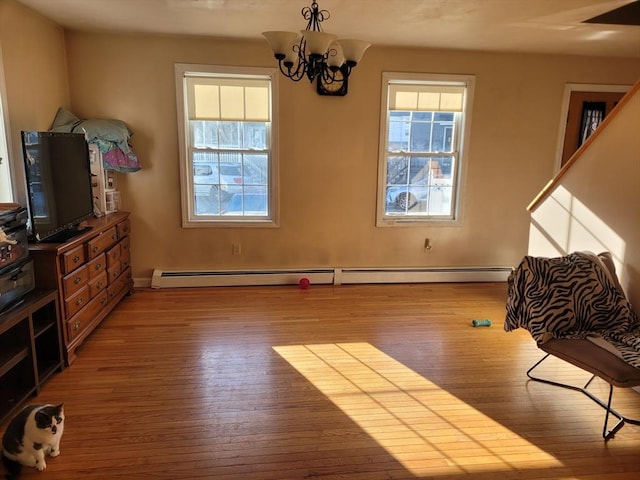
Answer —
574 296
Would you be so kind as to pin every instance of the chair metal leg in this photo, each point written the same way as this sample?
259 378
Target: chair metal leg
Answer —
606 434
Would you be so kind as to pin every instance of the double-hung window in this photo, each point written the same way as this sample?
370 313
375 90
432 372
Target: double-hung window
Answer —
424 123
228 171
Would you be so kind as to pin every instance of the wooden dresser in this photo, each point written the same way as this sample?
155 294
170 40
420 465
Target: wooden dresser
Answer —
91 273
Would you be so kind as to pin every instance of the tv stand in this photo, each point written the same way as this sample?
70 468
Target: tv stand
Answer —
90 272
30 348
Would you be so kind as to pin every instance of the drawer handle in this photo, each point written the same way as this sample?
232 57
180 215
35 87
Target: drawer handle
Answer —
76 325
76 259
79 301
98 266
103 300
114 236
77 280
94 249
100 285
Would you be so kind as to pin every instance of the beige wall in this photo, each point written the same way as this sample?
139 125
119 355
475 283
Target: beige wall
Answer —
596 204
329 153
35 74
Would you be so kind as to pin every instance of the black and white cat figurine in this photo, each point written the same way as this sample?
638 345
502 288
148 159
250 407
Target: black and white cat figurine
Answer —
31 435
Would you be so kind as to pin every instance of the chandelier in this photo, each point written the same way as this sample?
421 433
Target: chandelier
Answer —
315 54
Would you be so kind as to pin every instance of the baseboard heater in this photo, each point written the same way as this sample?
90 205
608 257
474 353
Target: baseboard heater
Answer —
331 276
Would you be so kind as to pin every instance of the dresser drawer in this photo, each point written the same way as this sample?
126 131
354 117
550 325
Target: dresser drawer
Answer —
83 318
102 242
113 256
123 228
119 283
73 259
96 266
75 280
98 284
114 272
124 245
125 259
76 301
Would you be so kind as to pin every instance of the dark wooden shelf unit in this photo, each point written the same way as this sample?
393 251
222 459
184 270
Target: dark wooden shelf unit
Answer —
30 348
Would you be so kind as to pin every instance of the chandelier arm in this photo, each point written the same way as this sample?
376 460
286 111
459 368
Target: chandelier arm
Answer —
321 16
329 74
286 70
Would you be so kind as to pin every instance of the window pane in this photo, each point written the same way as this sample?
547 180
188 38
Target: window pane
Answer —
423 116
254 135
399 116
256 169
398 139
397 170
442 137
206 183
440 201
229 135
420 137
204 134
255 204
441 186
443 117
418 170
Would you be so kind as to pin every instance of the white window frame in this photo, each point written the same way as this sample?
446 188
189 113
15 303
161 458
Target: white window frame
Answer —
461 142
189 218
6 177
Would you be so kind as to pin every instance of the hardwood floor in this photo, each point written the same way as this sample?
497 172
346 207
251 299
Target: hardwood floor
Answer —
355 382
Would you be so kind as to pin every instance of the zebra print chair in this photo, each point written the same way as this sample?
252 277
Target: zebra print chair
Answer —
576 310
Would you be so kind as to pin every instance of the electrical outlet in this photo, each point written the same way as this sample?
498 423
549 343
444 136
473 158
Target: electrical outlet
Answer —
237 249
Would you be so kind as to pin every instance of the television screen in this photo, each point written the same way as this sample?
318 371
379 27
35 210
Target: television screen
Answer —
58 177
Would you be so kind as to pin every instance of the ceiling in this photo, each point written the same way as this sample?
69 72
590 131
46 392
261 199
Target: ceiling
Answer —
542 26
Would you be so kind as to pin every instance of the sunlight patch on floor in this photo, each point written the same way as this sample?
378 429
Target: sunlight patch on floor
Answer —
427 429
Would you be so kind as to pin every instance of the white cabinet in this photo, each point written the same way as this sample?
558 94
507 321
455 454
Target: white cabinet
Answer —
106 198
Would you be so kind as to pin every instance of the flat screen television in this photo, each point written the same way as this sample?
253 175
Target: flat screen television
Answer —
58 174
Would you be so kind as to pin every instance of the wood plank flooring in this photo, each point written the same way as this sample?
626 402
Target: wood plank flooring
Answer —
353 382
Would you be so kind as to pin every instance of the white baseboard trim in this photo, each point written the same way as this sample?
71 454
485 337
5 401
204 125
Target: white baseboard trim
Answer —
333 276
226 278
421 275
